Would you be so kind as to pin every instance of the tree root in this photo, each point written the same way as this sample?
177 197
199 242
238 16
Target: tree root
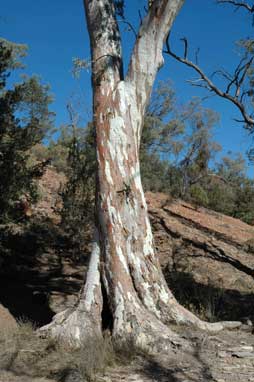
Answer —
71 326
180 315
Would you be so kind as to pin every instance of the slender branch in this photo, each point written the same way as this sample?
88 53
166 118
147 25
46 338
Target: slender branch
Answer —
130 26
207 175
209 84
238 4
196 55
185 41
140 17
245 71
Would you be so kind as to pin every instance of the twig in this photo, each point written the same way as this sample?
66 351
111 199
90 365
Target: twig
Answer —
241 70
130 26
238 4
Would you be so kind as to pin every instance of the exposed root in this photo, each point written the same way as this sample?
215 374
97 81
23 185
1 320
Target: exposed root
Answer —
84 320
71 326
180 315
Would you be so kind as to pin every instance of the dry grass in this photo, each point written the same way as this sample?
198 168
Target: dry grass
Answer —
23 353
202 300
94 356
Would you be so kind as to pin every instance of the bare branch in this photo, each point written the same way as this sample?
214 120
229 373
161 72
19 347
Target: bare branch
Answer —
185 41
245 93
237 72
130 26
223 73
238 4
245 71
196 55
206 175
237 80
198 85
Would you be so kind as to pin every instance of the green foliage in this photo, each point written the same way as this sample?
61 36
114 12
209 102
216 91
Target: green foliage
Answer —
58 150
244 206
199 148
247 50
177 152
221 198
79 65
238 189
179 144
24 122
198 195
242 83
78 193
162 125
14 53
154 173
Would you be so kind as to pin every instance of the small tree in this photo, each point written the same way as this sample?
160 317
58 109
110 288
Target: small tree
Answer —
77 212
24 121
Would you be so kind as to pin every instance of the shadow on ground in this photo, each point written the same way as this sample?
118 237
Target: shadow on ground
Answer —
209 302
35 266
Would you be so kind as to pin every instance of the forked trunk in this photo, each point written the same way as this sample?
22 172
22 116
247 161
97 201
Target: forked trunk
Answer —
125 290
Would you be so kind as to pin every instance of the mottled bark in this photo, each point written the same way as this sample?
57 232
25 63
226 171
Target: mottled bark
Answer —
85 318
123 262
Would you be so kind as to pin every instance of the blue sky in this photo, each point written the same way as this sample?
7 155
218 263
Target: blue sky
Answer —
55 32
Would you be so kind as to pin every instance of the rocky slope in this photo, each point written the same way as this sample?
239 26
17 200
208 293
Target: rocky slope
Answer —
205 255
208 261
207 258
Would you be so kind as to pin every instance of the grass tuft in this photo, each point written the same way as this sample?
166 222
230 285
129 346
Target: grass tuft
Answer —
24 353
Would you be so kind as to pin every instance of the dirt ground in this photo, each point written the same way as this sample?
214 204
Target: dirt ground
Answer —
224 357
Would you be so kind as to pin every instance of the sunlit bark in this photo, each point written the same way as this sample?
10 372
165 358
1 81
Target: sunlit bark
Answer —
123 263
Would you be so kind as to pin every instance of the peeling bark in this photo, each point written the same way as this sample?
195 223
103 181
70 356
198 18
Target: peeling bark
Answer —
84 319
123 258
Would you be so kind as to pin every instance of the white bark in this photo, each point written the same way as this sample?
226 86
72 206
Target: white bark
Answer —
74 325
123 257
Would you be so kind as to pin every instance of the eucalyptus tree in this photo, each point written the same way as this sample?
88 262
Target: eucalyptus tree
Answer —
124 278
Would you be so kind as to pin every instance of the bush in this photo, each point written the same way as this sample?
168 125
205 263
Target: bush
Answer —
24 122
198 195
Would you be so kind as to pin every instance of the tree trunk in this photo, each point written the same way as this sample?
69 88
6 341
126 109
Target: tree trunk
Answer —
124 277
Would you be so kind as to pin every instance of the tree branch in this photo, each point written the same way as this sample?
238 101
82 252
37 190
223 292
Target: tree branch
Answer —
147 57
208 175
206 82
130 26
238 4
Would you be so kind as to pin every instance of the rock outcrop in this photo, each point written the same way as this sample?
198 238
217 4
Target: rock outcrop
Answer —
7 321
205 256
